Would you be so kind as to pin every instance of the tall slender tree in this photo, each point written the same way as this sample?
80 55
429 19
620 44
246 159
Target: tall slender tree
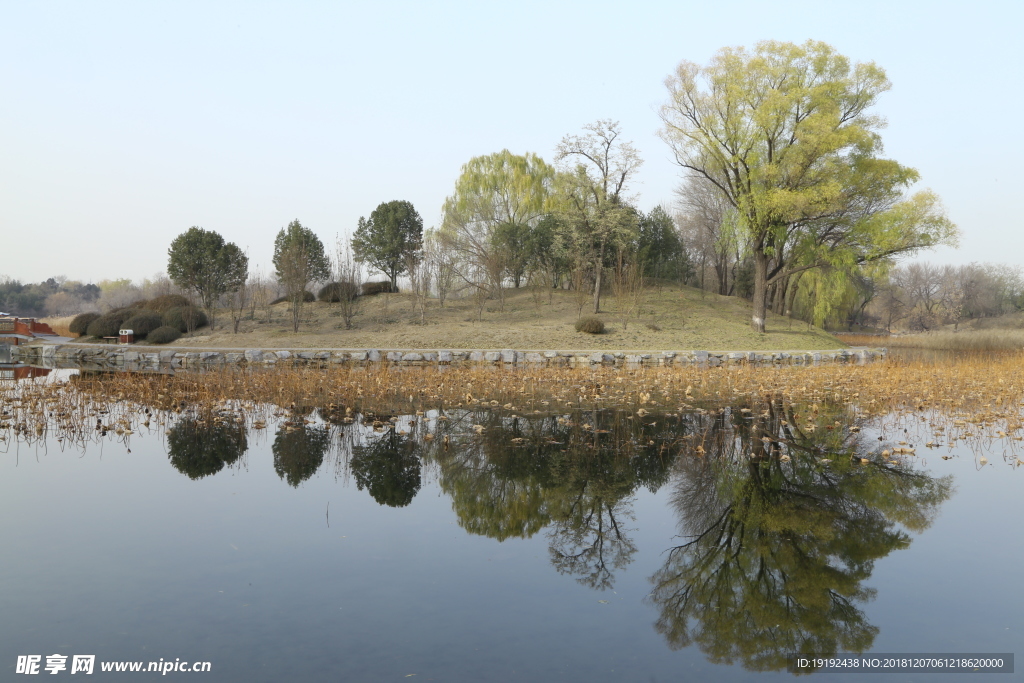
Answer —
299 259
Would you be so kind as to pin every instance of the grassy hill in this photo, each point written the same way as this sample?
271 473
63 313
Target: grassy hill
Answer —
668 317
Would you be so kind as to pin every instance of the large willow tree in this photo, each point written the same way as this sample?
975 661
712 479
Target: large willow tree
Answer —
498 199
784 134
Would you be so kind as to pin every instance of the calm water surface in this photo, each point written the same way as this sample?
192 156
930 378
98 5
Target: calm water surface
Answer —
587 546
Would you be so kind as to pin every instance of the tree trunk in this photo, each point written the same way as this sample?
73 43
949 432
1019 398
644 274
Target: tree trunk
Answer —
296 306
598 270
760 291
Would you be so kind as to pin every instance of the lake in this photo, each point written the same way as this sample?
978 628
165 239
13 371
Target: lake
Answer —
481 545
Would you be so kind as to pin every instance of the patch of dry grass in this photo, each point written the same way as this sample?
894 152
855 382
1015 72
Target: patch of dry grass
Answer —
965 340
668 318
60 325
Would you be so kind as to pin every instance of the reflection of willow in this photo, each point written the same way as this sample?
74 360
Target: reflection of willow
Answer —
389 468
576 474
201 447
781 542
299 452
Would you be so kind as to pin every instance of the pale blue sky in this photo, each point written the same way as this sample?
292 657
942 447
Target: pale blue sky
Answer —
123 124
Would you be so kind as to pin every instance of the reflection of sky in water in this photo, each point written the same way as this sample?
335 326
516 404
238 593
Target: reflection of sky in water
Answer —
120 555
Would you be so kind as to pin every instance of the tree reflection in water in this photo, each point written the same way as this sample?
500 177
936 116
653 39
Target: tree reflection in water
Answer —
199 447
299 451
782 524
388 467
784 527
575 474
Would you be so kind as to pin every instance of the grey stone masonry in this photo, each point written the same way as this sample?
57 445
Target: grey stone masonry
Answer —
140 356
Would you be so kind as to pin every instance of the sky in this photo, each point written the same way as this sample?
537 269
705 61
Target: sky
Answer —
124 124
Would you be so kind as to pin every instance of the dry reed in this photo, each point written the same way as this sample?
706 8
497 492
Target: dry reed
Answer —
985 392
964 340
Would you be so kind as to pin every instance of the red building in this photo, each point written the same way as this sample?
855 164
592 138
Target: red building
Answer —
14 330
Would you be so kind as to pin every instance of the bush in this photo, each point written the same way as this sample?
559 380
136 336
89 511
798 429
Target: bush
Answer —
307 297
162 304
81 323
109 324
143 323
163 335
590 325
141 303
371 288
335 292
182 318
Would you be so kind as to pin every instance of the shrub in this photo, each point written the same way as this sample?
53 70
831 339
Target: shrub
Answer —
105 326
143 323
590 325
335 292
307 297
183 318
163 335
371 288
81 322
164 303
109 324
141 303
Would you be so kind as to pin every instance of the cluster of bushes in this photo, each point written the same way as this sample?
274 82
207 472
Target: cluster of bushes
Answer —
307 297
159 321
336 292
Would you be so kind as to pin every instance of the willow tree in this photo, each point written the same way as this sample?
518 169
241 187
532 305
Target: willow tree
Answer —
498 198
784 133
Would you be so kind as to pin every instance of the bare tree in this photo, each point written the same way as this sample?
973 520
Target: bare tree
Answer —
348 274
594 189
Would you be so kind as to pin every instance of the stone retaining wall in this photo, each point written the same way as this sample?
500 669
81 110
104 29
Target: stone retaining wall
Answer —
129 357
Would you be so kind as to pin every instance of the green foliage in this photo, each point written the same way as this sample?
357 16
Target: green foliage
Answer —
164 334
164 303
335 292
200 449
298 454
784 135
498 200
659 249
744 283
389 238
80 323
299 259
590 325
142 323
202 261
373 288
185 318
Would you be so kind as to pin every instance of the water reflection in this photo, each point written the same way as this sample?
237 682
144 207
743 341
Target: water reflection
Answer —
388 467
200 447
299 450
575 474
784 526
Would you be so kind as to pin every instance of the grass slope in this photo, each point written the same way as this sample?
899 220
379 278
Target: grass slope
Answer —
667 318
